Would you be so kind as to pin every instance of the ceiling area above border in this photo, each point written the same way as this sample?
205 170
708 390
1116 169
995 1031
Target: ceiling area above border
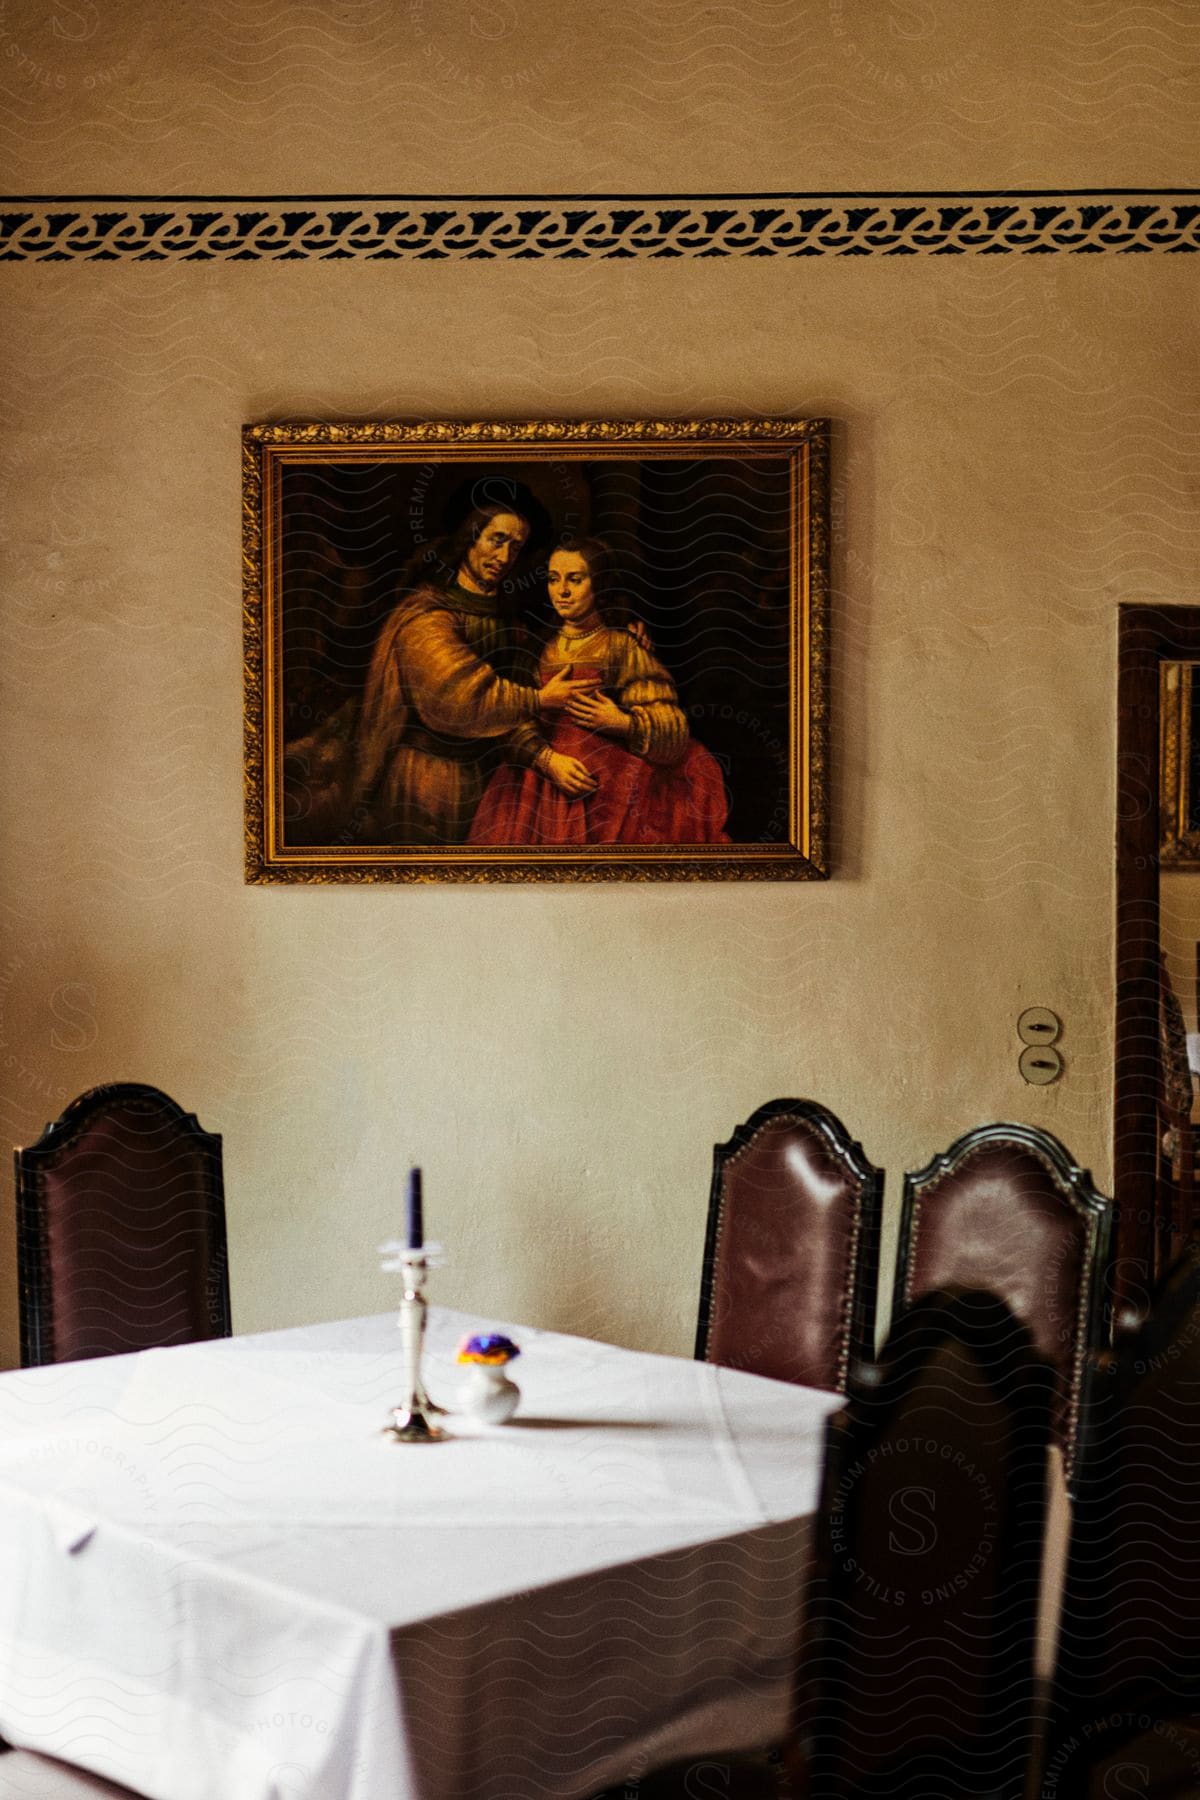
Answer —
375 228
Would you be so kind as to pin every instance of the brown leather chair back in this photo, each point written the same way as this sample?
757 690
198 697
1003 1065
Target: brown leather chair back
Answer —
120 1229
791 1257
1127 1682
1005 1208
915 1668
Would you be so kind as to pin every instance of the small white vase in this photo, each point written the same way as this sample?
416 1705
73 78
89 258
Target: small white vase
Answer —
488 1395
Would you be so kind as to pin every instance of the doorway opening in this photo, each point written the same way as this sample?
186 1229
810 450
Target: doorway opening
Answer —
1157 947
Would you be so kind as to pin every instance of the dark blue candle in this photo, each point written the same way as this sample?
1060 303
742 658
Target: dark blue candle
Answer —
416 1217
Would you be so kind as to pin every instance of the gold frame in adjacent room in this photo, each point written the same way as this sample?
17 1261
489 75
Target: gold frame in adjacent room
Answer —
1180 834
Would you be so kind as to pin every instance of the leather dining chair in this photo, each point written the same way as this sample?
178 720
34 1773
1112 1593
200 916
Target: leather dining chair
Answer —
1125 1711
1006 1208
120 1229
915 1664
791 1254
915 1679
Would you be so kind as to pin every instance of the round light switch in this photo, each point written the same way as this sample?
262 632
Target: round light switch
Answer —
1038 1025
1040 1063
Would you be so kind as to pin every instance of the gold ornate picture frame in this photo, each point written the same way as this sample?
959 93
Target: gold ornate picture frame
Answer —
1179 765
583 651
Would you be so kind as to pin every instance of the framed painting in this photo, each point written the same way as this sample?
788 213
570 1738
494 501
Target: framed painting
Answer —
1179 765
580 651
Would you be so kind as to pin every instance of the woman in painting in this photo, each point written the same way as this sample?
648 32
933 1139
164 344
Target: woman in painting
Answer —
619 766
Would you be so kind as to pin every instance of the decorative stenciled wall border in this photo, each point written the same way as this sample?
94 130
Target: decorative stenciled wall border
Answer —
375 228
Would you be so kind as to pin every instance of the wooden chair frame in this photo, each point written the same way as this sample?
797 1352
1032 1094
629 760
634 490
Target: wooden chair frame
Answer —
1079 1193
1017 1376
1080 1696
32 1163
860 1298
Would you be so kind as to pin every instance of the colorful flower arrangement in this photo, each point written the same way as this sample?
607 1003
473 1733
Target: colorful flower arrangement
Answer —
489 1347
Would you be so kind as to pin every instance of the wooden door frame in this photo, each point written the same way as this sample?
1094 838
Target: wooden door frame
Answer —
1147 636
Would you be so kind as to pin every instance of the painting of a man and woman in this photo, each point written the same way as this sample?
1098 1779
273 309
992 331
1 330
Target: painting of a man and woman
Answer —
592 654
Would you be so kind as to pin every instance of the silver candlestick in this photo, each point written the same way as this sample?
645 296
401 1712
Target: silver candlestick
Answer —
411 1421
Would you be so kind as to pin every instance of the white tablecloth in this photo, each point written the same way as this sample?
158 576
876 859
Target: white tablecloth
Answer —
218 1581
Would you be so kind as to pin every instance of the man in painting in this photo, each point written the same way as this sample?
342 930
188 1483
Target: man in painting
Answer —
445 686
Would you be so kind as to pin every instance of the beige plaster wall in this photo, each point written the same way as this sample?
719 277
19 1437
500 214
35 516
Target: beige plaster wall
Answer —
633 96
1015 454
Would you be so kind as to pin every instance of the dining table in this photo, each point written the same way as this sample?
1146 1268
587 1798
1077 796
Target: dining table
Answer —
220 1579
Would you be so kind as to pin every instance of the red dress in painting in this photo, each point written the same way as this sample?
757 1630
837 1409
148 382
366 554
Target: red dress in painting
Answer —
656 786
